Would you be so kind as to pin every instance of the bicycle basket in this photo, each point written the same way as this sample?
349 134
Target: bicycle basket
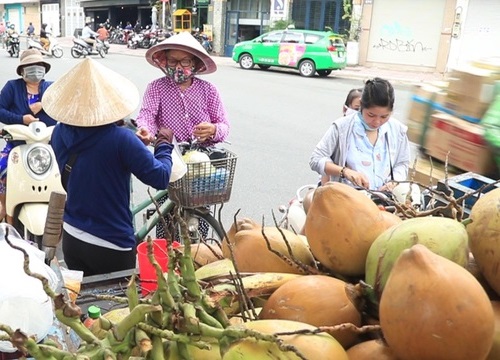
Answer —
205 183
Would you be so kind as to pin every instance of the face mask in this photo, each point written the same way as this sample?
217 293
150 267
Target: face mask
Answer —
33 73
365 125
350 111
180 75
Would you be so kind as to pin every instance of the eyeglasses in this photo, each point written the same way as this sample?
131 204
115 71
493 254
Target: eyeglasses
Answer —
186 62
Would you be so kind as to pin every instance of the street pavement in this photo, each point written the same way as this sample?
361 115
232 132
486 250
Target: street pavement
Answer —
350 72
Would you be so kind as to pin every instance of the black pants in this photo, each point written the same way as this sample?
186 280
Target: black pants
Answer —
95 260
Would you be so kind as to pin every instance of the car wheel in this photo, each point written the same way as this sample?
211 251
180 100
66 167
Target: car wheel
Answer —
307 68
264 67
324 73
246 61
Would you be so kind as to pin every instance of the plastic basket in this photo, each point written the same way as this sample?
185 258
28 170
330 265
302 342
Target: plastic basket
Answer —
205 183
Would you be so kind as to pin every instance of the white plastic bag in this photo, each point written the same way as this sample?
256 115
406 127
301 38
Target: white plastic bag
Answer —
23 302
179 167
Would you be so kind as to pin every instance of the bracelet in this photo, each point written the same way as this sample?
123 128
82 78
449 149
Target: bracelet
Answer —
341 174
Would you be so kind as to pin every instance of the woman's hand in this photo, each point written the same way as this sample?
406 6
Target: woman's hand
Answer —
28 119
356 178
204 131
36 107
389 186
145 136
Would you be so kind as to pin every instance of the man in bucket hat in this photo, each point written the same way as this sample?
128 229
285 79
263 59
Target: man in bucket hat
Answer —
98 234
20 103
190 106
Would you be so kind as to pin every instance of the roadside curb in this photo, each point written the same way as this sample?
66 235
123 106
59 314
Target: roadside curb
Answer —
350 72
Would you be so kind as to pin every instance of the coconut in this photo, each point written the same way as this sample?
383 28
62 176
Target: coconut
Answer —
316 300
319 346
341 224
484 235
432 308
251 253
445 237
370 350
204 254
494 353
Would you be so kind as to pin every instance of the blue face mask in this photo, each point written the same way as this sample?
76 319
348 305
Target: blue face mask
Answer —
365 125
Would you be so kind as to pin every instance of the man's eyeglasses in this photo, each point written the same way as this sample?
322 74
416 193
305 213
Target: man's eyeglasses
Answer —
186 62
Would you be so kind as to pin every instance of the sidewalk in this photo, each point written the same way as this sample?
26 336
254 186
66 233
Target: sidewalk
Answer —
350 72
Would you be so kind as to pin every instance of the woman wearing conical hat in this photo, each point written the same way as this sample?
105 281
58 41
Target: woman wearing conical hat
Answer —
20 103
180 100
98 234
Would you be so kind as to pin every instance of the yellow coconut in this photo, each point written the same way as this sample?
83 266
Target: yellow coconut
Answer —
494 353
484 236
317 300
432 308
341 224
319 346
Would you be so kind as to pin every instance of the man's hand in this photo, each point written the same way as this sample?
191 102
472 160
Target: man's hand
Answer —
36 107
145 136
204 131
28 119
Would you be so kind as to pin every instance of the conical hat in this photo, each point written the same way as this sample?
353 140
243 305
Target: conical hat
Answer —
90 94
183 41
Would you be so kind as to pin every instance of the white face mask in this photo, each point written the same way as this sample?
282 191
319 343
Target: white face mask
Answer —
350 111
33 73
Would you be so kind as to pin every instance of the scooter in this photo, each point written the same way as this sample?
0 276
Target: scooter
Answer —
32 175
81 48
13 44
54 50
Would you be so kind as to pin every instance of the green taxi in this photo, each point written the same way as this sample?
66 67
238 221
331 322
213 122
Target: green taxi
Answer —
308 51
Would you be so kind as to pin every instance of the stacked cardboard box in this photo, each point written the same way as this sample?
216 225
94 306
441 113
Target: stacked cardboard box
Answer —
461 141
470 92
425 100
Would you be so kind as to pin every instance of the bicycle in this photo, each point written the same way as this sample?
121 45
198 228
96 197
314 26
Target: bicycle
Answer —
204 187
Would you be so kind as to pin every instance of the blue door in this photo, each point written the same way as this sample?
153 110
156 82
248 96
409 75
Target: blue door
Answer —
232 32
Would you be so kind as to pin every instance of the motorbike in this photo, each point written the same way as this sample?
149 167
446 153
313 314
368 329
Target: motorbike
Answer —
13 44
54 50
32 176
81 48
206 43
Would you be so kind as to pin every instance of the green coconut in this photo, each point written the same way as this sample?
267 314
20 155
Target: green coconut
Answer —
443 236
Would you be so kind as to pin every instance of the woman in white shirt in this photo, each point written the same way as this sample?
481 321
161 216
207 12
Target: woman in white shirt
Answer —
367 148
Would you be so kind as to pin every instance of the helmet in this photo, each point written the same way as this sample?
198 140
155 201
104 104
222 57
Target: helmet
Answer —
401 191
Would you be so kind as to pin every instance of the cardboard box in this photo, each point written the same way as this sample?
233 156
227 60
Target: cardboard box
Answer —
430 172
466 107
462 140
414 131
425 97
474 83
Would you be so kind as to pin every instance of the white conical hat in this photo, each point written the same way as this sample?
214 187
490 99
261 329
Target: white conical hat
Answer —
90 94
183 41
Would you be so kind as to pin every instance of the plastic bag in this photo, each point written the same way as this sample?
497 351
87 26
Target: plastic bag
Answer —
179 167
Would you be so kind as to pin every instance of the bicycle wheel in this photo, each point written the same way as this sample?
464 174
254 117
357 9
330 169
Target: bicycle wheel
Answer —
208 229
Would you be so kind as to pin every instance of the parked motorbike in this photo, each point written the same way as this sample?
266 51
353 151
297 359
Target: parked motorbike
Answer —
81 48
54 50
32 176
13 44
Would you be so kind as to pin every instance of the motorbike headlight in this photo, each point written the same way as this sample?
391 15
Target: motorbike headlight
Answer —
39 160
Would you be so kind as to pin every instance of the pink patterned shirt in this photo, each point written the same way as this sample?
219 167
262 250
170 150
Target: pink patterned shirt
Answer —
164 104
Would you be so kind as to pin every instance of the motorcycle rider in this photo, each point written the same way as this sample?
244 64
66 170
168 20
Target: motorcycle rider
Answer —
20 103
89 35
103 32
44 38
